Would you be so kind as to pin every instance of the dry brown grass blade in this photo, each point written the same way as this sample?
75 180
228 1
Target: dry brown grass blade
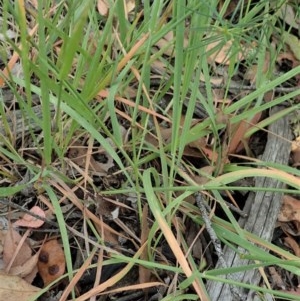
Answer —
77 276
15 57
112 281
21 244
68 193
127 57
105 94
134 287
144 273
173 243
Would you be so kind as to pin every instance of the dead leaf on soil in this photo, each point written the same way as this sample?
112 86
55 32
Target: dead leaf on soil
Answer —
277 279
290 209
30 221
107 208
103 7
51 263
14 288
196 148
205 174
293 42
11 242
288 14
18 262
221 52
28 270
236 142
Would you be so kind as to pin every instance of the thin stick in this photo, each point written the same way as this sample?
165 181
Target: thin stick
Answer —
201 203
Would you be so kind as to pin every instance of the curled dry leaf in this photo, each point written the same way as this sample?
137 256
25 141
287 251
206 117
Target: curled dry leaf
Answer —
51 263
30 221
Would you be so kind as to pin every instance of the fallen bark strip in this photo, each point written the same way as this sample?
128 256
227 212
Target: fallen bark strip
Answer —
262 208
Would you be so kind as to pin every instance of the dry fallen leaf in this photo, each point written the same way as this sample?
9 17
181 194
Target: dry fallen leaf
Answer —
14 288
11 243
221 52
28 270
102 7
293 42
276 278
51 263
289 15
290 209
30 221
18 262
238 131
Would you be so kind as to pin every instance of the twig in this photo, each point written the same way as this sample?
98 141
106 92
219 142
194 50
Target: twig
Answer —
201 203
16 206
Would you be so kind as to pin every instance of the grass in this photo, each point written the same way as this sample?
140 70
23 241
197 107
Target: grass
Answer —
98 72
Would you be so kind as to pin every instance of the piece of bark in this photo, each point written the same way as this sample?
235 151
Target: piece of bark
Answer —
262 208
